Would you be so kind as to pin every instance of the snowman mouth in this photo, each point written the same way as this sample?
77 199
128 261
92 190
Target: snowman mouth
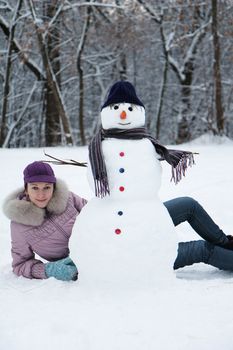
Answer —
124 123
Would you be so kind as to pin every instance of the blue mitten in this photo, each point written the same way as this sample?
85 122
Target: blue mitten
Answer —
64 270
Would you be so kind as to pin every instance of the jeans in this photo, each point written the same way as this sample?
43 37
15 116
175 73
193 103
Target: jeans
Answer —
208 251
187 209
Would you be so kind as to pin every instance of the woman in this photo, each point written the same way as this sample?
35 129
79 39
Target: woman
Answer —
42 216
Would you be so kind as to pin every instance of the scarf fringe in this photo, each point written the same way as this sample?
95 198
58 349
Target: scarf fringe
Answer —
101 187
178 171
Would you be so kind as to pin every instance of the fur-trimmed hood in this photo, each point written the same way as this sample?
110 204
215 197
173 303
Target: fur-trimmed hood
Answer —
26 213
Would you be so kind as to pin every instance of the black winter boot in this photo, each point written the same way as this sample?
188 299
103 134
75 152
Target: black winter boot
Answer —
229 244
193 252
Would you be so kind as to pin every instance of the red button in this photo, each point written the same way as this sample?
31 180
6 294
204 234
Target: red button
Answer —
121 188
122 154
117 231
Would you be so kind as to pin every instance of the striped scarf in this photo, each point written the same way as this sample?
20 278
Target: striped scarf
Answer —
179 160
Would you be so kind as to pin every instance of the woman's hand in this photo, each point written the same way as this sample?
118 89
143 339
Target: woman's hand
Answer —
64 270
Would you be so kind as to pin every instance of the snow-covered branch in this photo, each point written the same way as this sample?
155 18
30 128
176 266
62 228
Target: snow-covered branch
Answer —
68 81
53 20
175 65
4 5
195 41
189 56
69 6
150 10
100 15
14 124
82 38
32 65
99 55
169 41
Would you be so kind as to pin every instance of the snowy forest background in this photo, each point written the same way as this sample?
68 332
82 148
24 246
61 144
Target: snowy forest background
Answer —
58 59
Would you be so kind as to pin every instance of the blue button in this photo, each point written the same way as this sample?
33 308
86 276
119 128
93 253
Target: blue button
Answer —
121 170
120 212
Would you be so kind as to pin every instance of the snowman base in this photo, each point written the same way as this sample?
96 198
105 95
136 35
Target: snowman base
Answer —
134 250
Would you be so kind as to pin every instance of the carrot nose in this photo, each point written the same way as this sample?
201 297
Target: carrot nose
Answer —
123 115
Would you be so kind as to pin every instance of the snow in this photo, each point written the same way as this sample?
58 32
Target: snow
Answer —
193 311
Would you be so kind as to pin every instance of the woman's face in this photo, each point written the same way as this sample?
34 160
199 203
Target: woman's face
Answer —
40 193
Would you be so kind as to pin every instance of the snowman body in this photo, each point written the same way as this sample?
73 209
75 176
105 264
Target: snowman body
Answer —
126 238
133 168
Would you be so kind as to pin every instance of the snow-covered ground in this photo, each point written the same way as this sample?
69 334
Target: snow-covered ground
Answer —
193 312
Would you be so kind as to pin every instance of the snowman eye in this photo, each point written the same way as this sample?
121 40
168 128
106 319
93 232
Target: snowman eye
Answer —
116 107
130 109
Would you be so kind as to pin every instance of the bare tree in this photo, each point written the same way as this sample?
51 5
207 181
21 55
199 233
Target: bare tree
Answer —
27 61
81 73
6 89
15 124
53 130
172 38
51 77
217 69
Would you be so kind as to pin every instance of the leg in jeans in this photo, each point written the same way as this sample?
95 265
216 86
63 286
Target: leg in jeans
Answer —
205 252
187 209
221 258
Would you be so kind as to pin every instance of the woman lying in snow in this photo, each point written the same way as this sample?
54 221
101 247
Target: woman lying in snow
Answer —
43 213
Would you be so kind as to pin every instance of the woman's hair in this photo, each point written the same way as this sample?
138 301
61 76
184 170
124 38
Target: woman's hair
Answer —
26 186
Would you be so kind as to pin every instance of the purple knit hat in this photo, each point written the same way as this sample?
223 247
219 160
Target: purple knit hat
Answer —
39 172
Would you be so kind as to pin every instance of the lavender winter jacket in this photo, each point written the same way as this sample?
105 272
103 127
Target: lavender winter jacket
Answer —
45 232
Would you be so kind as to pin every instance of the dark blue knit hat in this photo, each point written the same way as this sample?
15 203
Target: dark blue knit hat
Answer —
120 92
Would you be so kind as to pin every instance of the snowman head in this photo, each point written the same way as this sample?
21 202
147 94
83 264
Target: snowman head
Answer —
122 108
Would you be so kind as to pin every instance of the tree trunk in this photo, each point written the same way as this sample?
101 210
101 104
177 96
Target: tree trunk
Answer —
52 120
51 78
217 71
163 85
80 73
184 133
123 66
6 89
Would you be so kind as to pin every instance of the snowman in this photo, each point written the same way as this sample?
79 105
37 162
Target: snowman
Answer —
125 236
